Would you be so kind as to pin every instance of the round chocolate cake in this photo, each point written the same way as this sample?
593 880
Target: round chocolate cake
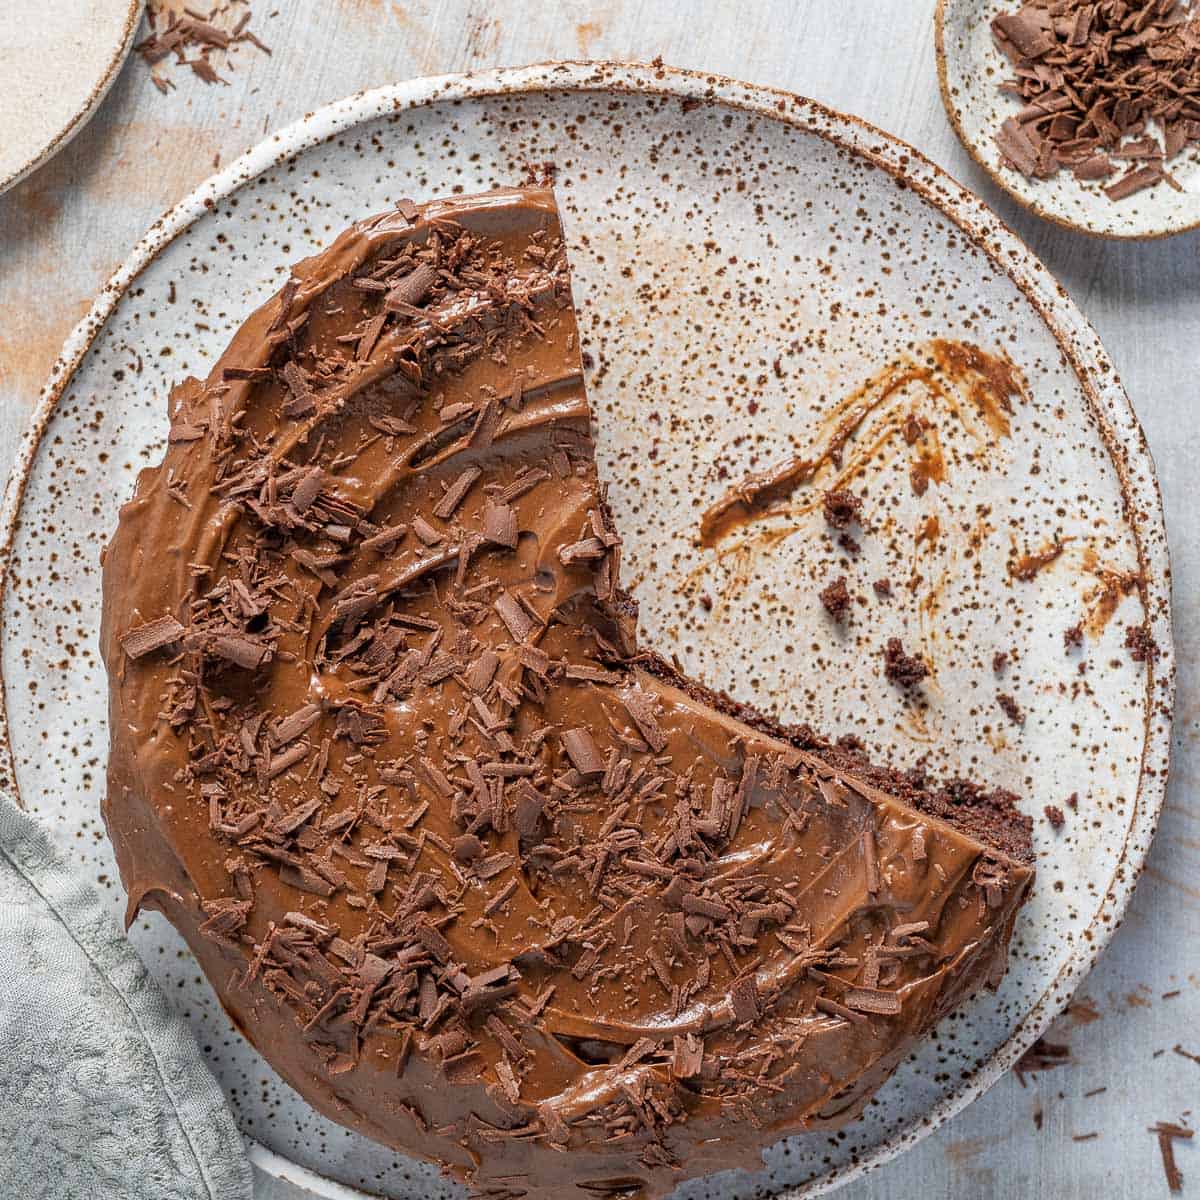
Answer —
477 876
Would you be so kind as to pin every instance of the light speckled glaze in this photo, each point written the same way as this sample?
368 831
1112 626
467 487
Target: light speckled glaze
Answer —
57 62
970 66
743 227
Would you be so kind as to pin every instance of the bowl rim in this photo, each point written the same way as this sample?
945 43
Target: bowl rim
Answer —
1075 337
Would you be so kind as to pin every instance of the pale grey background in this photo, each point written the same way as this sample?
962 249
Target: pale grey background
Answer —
66 228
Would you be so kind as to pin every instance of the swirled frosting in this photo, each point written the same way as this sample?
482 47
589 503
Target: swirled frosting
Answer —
478 877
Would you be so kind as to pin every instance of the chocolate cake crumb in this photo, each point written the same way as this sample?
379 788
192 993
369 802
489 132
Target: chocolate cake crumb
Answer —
849 544
1012 710
1141 644
1054 815
1000 662
1073 637
841 508
904 670
836 599
883 588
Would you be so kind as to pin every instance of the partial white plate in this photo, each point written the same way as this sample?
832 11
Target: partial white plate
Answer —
744 259
57 62
969 69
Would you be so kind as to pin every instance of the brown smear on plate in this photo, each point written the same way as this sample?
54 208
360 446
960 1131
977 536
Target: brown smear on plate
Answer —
1111 587
1027 566
977 388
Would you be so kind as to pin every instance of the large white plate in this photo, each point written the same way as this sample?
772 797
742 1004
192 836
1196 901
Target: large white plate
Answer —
744 259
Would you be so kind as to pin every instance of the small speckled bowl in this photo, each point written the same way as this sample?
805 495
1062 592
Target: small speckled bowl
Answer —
751 268
970 68
57 62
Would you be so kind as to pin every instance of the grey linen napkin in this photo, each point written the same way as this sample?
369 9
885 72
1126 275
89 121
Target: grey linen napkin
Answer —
103 1093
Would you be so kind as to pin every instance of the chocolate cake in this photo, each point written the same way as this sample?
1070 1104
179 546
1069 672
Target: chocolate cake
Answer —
478 876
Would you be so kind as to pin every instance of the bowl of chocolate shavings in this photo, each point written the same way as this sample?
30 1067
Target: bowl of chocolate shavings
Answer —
1087 112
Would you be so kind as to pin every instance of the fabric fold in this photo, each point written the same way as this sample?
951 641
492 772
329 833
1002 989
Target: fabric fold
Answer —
105 1094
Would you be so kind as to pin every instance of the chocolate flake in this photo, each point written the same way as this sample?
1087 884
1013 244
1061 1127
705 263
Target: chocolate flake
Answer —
1168 1133
412 289
500 524
743 999
873 1001
241 651
456 493
153 635
513 614
581 750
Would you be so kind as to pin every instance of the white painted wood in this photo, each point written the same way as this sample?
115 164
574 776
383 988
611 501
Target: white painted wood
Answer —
64 229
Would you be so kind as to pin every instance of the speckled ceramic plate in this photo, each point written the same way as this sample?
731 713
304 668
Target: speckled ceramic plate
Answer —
755 274
969 69
57 62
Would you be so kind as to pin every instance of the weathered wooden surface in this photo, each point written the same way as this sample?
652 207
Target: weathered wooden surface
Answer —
67 227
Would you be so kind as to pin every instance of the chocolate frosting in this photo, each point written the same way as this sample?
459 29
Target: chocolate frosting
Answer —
477 877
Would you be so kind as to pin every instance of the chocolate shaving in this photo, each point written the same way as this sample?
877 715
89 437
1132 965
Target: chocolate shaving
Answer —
873 1001
153 635
241 651
582 751
308 489
300 402
640 708
743 999
500 524
456 493
412 289
517 621
1168 1133
1135 181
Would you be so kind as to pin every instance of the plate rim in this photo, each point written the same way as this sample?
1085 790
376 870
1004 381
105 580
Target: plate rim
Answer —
100 89
1010 186
1074 335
